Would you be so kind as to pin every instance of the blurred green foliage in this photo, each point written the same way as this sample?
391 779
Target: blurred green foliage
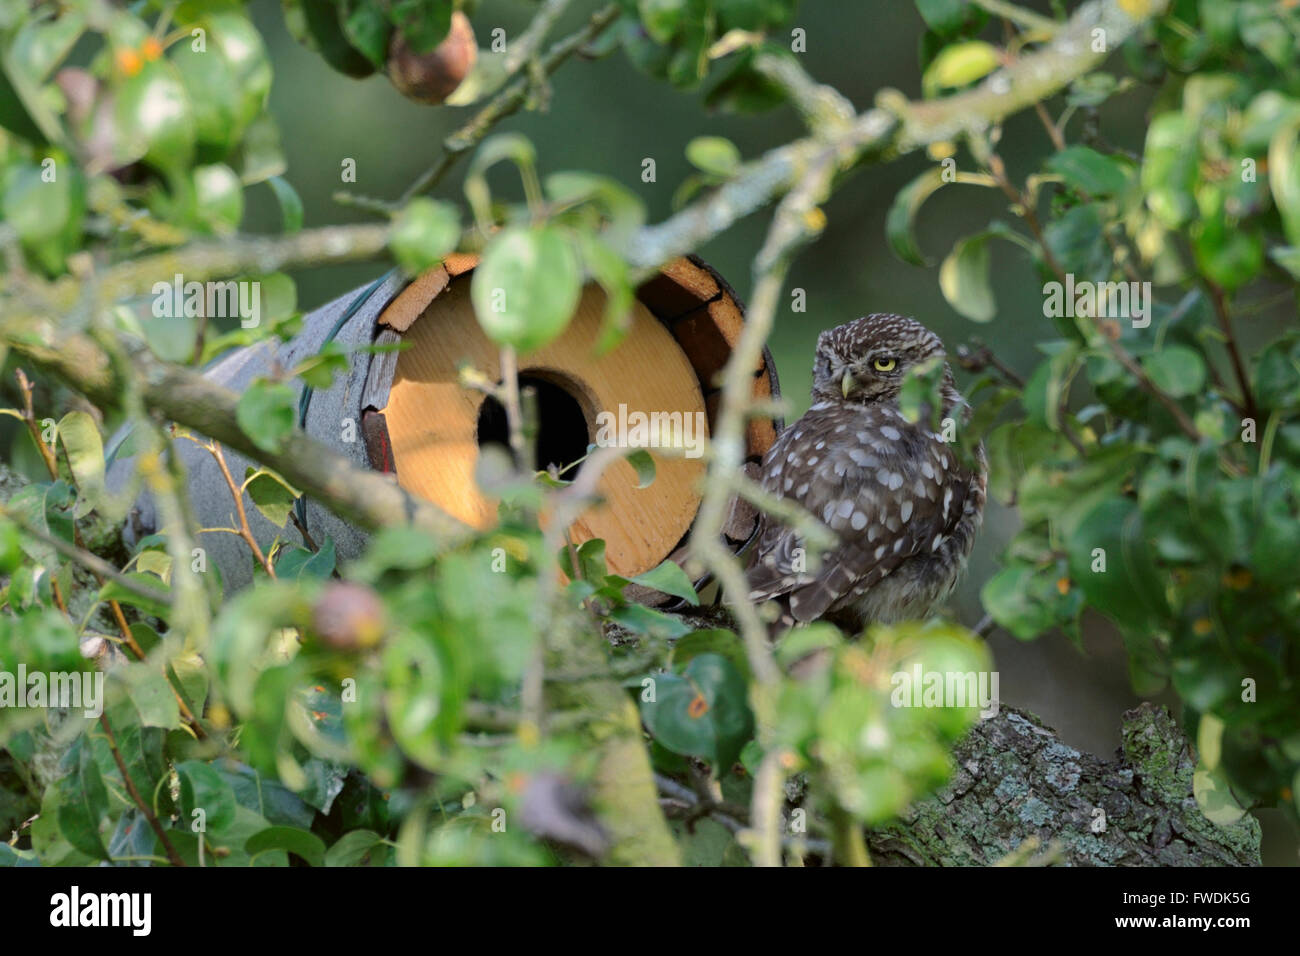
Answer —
384 712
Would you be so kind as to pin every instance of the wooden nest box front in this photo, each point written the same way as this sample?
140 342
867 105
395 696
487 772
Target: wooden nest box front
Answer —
423 424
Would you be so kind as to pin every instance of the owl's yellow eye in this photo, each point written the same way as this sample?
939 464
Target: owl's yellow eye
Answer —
885 364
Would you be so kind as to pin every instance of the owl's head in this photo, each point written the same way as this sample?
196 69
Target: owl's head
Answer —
866 360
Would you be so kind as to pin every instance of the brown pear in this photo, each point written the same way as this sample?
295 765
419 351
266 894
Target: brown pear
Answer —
432 77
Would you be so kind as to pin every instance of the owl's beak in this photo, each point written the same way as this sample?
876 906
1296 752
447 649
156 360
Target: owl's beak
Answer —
846 384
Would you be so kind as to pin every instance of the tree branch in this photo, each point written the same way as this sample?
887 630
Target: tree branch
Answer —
895 126
367 498
506 102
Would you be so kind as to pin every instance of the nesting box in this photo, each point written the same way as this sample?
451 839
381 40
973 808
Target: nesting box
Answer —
412 417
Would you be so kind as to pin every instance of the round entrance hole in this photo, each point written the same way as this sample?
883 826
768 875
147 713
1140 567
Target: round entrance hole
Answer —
562 437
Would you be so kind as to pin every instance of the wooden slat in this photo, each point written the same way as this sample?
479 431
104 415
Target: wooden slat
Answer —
458 263
680 287
708 335
411 302
379 377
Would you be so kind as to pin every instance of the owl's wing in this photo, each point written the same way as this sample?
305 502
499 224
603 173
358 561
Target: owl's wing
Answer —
889 490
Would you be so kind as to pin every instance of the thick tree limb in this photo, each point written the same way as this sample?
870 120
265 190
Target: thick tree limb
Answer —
1017 781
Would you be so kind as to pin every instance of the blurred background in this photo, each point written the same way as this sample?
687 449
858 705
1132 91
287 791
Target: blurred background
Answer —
607 117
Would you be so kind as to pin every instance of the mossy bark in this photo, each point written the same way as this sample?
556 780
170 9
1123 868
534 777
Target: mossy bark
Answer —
1017 781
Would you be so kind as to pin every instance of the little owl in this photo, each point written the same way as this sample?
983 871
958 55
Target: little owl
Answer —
904 508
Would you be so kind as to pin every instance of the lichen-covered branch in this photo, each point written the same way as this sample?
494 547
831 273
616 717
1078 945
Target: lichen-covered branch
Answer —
1017 781
1094 31
895 126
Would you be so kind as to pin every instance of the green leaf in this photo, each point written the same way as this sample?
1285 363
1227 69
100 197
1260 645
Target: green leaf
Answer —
424 232
240 44
424 23
279 297
301 843
85 451
644 465
645 620
202 788
324 24
401 549
1048 387
1088 170
356 848
1176 369
921 393
943 16
267 412
154 699
900 222
213 92
368 30
318 370
1277 376
291 214
591 561
297 563
512 147
40 210
260 154
703 712
964 279
1077 241
154 119
1230 256
418 690
48 508
114 590
611 273
669 578
526 288
622 210
1169 168
1014 598
662 18
23 106
265 797
1129 591
1214 796
84 801
271 494
1091 89
715 155
719 641
959 64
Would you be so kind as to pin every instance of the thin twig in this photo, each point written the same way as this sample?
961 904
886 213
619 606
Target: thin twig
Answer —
1220 303
29 419
173 857
504 104
244 531
87 559
1021 17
